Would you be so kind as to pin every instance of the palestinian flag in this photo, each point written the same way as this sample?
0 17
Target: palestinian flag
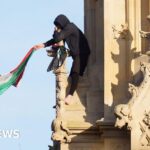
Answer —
15 75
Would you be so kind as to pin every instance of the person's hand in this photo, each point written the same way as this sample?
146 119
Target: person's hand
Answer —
38 46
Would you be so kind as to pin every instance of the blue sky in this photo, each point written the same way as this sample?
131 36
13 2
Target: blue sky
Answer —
28 108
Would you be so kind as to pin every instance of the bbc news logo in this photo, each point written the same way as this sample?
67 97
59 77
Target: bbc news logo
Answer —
15 134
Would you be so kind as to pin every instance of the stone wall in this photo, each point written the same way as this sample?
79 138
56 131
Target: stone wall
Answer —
112 28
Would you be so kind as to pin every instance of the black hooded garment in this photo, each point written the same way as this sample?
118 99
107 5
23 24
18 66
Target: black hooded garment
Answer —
71 34
78 45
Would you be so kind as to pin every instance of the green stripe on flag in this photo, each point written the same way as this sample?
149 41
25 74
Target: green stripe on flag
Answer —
15 75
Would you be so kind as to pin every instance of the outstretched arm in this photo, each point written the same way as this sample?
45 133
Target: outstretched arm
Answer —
43 45
50 42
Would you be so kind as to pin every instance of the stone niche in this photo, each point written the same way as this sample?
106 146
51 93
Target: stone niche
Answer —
117 53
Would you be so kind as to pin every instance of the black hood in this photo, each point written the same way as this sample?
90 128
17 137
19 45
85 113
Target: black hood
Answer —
61 21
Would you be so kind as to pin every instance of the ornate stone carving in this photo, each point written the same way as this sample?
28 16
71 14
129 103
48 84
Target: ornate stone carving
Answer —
60 131
144 34
145 129
120 32
124 111
136 113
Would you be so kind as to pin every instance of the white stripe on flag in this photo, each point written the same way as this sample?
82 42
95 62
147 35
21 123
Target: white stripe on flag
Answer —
5 78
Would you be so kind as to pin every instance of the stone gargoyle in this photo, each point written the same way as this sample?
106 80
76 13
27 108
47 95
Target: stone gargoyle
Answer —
60 131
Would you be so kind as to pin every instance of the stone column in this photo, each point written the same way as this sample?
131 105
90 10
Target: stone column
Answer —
94 25
115 56
59 125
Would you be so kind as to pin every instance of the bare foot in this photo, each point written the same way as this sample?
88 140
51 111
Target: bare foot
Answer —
69 100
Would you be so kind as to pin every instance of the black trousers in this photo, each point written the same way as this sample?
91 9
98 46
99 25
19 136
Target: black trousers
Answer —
78 67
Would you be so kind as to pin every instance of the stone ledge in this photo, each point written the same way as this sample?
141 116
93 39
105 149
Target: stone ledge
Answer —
108 129
104 129
105 125
97 134
79 125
